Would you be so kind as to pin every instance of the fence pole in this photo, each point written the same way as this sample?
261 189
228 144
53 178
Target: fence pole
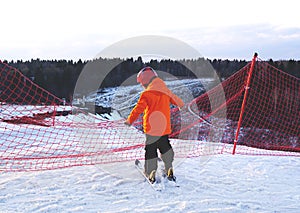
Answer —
244 102
54 114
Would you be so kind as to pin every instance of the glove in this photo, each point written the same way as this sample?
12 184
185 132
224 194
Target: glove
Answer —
127 124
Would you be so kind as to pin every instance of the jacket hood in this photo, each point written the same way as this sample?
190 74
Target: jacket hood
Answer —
158 85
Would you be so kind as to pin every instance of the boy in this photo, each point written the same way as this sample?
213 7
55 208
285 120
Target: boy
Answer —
155 102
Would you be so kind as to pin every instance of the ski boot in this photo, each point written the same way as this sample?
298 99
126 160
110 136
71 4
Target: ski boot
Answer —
170 175
151 176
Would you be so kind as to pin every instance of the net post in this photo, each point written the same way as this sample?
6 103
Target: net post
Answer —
53 114
244 102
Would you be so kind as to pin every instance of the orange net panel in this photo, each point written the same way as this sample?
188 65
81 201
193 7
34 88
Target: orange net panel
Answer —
39 132
272 112
271 117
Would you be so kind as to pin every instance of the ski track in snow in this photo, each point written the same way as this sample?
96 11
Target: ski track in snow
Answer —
222 183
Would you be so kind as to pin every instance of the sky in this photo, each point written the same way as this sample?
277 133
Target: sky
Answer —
231 29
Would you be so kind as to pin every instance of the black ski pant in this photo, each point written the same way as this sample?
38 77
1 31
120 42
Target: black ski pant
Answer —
162 143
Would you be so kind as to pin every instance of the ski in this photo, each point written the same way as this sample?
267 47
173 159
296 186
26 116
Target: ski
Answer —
165 179
157 185
169 182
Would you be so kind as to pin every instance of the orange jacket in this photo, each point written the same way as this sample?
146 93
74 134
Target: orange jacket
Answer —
155 102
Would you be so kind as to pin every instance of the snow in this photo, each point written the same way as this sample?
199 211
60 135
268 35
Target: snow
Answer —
221 183
217 183
123 98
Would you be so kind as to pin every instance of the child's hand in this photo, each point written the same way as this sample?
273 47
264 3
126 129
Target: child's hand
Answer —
184 108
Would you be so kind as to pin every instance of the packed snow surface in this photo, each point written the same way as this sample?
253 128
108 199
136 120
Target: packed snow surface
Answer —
221 183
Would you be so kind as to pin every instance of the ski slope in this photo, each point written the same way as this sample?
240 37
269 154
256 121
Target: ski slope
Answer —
222 183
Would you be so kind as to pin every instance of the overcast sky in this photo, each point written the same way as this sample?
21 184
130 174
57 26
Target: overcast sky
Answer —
230 29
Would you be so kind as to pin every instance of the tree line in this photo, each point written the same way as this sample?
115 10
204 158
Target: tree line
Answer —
60 76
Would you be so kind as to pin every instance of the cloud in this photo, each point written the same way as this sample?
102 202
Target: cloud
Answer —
233 42
240 42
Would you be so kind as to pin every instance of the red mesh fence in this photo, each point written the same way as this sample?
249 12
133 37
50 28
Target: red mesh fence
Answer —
272 112
38 132
271 118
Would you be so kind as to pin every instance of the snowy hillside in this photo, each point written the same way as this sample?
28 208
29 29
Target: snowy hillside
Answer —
123 98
